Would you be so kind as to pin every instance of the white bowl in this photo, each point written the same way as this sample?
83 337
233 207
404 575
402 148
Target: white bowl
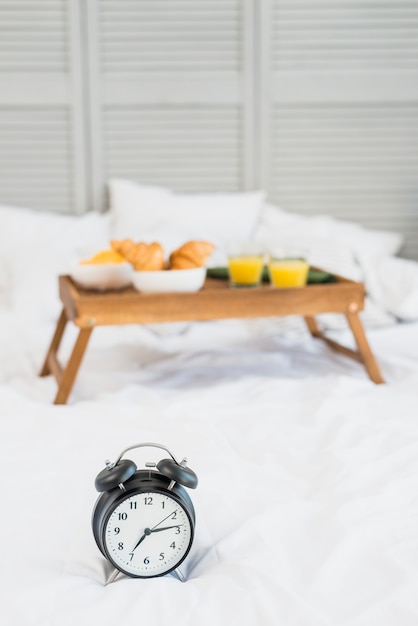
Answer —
169 280
102 276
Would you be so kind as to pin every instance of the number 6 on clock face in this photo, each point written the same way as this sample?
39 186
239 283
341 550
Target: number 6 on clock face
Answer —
148 534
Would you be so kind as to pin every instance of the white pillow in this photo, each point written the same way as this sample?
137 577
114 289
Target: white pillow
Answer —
393 284
362 241
359 240
146 213
37 246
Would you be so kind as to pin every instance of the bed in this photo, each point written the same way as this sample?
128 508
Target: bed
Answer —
306 507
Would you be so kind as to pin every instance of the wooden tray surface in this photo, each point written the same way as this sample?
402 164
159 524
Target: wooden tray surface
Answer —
216 300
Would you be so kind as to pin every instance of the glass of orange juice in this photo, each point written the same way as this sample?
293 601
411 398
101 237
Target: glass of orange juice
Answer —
245 264
288 267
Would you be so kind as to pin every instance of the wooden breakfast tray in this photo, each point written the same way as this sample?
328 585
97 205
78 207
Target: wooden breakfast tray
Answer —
216 300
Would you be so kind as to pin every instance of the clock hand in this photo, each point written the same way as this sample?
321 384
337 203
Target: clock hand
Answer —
154 529
147 532
157 530
163 520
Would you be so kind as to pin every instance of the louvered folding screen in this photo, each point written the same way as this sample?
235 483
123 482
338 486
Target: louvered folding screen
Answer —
340 115
315 101
41 136
171 96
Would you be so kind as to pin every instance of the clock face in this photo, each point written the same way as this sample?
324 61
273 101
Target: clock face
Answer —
148 534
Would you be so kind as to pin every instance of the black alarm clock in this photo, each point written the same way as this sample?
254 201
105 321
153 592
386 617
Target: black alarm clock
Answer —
143 521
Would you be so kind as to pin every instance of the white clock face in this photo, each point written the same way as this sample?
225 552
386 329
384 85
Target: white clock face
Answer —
148 534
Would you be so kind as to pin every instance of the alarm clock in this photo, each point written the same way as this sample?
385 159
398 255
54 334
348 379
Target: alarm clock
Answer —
143 521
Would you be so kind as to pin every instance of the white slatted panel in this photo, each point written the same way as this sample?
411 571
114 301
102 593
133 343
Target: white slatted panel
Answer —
342 125
175 79
35 165
358 161
170 35
177 146
345 35
41 151
33 36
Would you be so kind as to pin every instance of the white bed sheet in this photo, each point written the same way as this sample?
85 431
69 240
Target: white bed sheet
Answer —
307 505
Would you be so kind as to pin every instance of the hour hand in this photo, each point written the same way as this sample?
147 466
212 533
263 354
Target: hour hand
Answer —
141 539
157 530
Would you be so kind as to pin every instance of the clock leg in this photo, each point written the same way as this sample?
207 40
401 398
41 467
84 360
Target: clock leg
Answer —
112 576
179 574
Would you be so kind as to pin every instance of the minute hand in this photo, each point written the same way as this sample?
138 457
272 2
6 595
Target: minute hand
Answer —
163 520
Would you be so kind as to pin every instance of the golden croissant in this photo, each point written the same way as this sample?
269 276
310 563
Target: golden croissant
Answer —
142 256
191 254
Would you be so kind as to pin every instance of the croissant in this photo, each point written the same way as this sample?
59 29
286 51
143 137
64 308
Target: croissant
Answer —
191 254
142 256
125 248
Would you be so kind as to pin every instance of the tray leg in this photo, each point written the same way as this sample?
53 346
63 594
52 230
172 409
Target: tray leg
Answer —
364 348
363 354
318 334
55 344
68 374
312 326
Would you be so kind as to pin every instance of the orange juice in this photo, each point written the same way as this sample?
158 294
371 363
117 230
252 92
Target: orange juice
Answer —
245 270
288 272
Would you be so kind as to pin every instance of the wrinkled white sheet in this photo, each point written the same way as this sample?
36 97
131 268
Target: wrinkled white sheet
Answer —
307 505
